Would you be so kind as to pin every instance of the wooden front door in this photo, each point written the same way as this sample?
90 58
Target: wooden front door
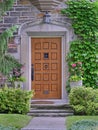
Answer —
46 67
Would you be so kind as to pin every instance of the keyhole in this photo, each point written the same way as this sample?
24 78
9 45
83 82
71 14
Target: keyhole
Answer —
46 66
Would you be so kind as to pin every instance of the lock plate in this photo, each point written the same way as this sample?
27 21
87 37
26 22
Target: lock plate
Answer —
46 92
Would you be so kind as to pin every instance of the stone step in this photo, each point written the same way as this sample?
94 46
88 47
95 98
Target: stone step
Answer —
50 111
51 106
50 114
53 112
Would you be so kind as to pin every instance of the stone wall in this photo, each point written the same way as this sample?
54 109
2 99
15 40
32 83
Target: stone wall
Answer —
21 12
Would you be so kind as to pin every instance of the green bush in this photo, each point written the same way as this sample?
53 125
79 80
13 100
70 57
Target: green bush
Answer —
84 100
85 125
14 100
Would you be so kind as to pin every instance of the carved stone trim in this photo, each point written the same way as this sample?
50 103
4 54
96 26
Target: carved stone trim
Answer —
46 5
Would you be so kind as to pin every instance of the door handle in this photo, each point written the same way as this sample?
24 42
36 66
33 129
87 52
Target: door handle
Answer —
32 72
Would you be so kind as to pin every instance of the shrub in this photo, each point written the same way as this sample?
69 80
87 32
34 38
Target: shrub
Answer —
14 100
84 100
85 125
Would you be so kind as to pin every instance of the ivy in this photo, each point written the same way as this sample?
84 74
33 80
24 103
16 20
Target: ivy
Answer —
84 16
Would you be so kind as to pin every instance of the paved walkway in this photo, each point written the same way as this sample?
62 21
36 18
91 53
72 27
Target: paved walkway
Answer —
46 123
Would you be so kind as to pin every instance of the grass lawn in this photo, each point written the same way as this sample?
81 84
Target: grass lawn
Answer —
14 120
71 119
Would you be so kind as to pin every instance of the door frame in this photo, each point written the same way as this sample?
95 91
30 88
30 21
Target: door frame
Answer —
63 54
36 28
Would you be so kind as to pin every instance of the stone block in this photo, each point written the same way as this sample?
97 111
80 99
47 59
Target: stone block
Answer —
5 25
22 20
22 8
27 14
14 13
10 20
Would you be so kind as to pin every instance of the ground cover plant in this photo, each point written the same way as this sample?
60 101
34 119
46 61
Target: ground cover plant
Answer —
73 119
85 125
13 121
7 128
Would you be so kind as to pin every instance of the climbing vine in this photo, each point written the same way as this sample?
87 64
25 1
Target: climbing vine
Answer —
84 16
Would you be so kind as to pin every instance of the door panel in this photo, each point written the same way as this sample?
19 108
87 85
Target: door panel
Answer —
46 61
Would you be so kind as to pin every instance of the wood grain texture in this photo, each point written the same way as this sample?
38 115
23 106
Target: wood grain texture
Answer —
46 60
